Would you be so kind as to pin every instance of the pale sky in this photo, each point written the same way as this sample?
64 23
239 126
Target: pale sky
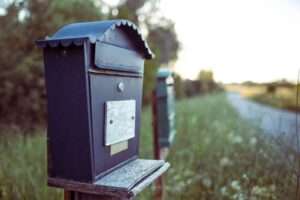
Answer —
239 40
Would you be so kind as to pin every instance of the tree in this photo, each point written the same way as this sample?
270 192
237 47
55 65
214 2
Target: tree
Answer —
22 92
206 81
206 76
271 88
161 37
179 87
23 98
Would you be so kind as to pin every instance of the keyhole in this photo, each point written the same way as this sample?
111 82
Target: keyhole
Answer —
121 87
132 117
64 52
111 121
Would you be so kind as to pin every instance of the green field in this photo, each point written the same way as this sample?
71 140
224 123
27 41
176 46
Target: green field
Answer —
216 155
282 97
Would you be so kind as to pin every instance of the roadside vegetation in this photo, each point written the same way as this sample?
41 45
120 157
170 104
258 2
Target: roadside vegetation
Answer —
278 95
216 155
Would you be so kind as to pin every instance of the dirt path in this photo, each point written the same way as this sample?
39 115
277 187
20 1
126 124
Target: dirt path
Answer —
272 121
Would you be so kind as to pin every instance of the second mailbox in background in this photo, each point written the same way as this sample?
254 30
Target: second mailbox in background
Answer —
165 105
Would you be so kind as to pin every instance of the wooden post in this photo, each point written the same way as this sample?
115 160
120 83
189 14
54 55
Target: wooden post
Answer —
158 194
71 195
155 128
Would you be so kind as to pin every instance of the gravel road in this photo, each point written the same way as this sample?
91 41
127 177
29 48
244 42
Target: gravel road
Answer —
275 122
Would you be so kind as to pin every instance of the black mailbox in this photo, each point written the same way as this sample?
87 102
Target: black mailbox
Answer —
94 79
165 105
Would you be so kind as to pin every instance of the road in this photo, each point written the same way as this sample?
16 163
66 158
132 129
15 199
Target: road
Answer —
272 121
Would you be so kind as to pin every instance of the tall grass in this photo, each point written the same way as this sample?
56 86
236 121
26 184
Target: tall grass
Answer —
216 155
282 97
23 168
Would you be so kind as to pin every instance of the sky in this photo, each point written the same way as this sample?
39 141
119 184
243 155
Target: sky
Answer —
239 40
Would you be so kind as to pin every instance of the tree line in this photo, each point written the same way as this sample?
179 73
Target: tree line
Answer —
22 87
204 84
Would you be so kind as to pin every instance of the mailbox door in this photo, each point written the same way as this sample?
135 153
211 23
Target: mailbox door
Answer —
118 98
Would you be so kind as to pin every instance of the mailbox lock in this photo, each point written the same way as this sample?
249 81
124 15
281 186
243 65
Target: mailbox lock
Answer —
121 87
64 52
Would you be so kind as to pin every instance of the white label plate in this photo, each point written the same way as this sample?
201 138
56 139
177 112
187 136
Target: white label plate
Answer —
119 121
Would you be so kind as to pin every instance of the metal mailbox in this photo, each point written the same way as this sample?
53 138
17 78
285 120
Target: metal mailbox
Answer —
165 105
94 76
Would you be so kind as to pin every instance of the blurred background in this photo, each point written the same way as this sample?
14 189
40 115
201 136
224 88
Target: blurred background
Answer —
236 68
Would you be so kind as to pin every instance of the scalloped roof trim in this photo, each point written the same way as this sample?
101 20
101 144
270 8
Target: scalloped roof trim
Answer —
77 33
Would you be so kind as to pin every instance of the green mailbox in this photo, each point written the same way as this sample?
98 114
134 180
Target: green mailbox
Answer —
165 107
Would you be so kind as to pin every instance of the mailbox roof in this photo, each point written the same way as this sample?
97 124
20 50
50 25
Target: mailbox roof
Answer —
164 73
77 33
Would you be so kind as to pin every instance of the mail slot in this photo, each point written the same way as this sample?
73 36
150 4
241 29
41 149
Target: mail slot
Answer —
165 107
94 79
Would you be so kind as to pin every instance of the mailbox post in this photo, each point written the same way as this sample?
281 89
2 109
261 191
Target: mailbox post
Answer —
94 75
163 112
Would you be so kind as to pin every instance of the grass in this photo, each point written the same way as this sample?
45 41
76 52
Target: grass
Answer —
282 97
278 101
23 168
216 155
246 91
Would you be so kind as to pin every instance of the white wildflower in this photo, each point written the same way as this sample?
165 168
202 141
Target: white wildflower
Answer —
231 135
237 140
207 182
235 185
245 177
224 191
239 196
253 141
224 162
258 191
273 188
189 181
